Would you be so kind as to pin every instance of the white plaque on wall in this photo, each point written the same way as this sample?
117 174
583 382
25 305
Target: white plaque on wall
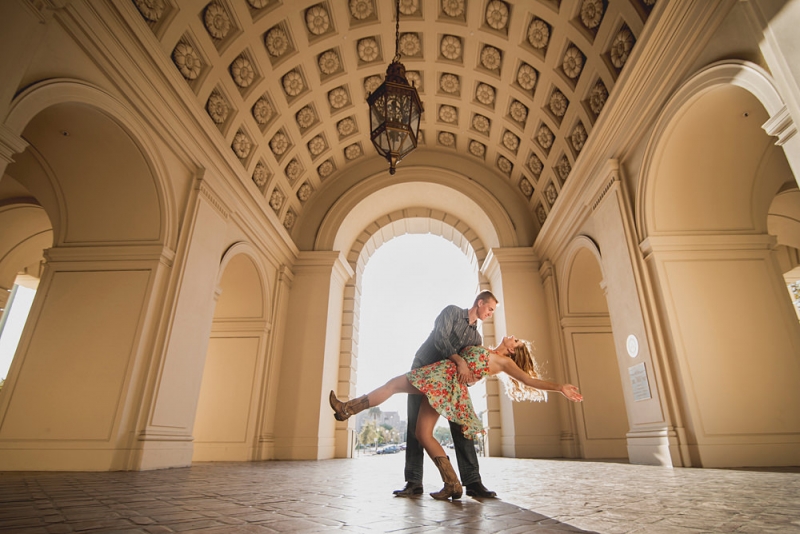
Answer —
632 344
639 384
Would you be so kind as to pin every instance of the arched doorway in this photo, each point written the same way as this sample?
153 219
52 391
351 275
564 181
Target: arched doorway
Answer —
67 403
709 184
783 221
27 232
404 286
379 234
231 392
602 423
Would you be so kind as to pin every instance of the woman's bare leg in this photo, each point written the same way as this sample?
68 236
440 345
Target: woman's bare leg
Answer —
398 384
343 410
426 421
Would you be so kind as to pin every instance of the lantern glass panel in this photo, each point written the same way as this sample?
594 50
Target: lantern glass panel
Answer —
378 112
415 116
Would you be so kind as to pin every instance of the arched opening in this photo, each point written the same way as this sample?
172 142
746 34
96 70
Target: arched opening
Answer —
733 333
83 198
467 244
783 221
225 426
405 284
602 424
26 233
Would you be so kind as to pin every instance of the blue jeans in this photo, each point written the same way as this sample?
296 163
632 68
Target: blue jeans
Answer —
465 449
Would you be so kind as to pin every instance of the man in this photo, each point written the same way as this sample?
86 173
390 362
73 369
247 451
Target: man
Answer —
454 329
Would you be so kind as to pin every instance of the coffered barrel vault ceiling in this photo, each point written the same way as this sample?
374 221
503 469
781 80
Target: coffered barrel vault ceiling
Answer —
518 86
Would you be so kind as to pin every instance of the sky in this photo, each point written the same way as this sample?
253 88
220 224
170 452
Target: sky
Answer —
13 327
406 283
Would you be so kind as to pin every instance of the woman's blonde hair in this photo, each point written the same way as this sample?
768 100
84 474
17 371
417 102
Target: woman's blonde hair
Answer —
516 390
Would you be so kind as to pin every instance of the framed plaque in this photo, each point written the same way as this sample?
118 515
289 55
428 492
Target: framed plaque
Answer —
639 384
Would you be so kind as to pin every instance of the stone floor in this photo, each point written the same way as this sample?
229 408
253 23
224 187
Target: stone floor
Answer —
355 496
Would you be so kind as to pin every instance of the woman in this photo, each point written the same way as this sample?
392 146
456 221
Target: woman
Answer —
446 397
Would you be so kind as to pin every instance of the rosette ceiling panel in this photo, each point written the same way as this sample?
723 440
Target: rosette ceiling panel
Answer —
518 86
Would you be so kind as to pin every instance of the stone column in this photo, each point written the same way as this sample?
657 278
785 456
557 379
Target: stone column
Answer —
304 424
656 433
170 403
570 448
529 430
348 367
272 370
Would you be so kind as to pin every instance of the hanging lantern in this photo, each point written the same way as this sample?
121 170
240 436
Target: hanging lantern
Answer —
395 110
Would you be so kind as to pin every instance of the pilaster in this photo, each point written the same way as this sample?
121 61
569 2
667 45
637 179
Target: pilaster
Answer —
304 427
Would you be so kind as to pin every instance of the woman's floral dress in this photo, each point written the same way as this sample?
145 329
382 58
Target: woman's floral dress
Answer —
439 382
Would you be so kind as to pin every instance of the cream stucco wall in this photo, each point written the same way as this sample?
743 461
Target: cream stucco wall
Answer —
179 319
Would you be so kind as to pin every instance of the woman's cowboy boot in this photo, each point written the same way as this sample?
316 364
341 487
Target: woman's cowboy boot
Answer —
452 487
346 409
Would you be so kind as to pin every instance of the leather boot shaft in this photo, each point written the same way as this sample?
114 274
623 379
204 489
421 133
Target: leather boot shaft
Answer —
452 487
343 410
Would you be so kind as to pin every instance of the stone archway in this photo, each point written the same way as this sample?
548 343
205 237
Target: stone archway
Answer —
585 320
234 374
378 232
71 398
710 176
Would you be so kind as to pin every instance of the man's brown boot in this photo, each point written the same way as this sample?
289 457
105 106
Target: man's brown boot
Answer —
343 410
452 487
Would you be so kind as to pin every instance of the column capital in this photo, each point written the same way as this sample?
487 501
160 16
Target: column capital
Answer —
781 125
546 270
317 261
10 144
519 259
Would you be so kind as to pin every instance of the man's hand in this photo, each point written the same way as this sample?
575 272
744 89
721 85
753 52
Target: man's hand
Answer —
465 375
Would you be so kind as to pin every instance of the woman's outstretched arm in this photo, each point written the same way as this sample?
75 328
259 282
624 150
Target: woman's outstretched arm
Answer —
506 365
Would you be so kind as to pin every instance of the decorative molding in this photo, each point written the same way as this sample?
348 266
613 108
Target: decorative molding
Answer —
596 322
10 143
416 221
323 261
606 188
511 259
44 9
105 253
213 199
546 270
707 243
780 125
238 326
498 222
150 434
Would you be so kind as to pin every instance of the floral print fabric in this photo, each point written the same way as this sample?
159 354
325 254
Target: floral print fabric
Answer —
439 382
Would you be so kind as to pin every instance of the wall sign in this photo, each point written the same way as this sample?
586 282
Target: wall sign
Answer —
639 384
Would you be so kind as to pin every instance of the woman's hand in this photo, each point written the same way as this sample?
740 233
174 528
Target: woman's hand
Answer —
571 392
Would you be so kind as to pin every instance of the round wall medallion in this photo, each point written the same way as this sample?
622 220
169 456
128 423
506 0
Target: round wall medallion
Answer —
632 344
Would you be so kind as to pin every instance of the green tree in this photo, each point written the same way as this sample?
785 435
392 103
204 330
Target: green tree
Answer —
442 435
369 434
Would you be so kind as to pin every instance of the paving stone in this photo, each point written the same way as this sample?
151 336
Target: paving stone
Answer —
355 496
